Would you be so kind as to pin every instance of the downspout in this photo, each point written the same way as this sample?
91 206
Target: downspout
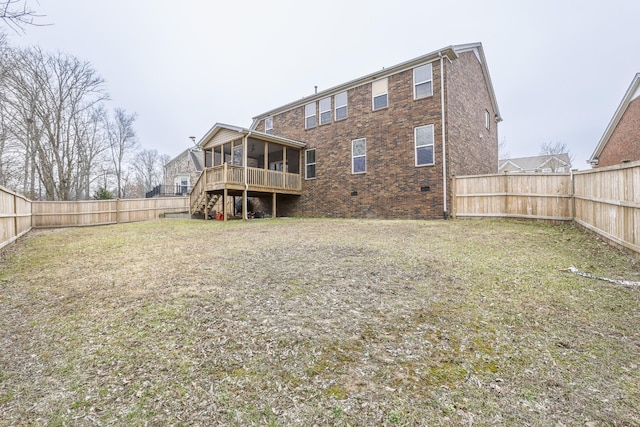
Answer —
246 176
444 143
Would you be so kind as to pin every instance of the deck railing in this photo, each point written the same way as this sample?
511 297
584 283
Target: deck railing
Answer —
258 179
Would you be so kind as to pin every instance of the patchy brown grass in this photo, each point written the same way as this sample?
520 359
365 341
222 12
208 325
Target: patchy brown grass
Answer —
317 322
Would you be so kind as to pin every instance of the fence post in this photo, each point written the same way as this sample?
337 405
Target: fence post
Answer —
572 202
117 210
15 215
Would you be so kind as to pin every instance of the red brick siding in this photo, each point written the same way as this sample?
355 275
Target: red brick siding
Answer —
468 99
624 143
392 186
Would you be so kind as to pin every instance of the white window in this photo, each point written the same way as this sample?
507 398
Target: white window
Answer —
310 115
325 111
340 101
422 81
379 93
182 184
424 145
359 155
268 125
310 163
487 119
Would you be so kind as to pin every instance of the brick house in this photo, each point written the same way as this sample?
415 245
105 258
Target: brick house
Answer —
385 145
621 140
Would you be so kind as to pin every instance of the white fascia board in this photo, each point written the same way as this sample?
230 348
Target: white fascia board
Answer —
632 93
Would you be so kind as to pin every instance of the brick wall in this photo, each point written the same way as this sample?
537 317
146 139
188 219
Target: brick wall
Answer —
624 143
473 149
392 187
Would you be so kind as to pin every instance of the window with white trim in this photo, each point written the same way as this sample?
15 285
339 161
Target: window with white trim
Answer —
325 111
268 125
359 155
310 163
380 94
487 119
422 81
424 145
340 102
310 115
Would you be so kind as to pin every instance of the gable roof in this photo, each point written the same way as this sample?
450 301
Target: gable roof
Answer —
450 52
532 163
632 93
193 153
221 127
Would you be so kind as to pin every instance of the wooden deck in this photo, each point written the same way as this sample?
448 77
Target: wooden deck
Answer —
228 178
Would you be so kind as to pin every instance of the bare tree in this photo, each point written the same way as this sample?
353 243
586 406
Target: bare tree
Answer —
149 169
122 142
47 98
91 133
17 14
503 153
553 148
556 148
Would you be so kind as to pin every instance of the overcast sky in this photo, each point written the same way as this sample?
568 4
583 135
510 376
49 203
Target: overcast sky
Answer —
559 68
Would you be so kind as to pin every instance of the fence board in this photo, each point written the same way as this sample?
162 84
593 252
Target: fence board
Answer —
15 216
605 201
99 212
608 202
540 196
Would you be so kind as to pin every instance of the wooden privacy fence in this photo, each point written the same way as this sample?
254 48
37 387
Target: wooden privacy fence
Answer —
608 202
15 216
605 201
534 196
99 212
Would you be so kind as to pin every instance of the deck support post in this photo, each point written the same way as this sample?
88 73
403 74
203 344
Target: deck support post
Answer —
273 205
206 206
244 205
224 203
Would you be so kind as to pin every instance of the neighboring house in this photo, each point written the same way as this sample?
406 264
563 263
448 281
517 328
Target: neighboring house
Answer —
181 172
556 163
621 140
385 145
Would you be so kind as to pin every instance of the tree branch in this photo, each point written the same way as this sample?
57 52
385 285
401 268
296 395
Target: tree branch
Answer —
18 16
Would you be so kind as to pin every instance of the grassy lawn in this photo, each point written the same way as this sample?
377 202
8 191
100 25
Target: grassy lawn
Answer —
318 322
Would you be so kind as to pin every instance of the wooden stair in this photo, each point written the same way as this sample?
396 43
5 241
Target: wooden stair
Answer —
204 203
